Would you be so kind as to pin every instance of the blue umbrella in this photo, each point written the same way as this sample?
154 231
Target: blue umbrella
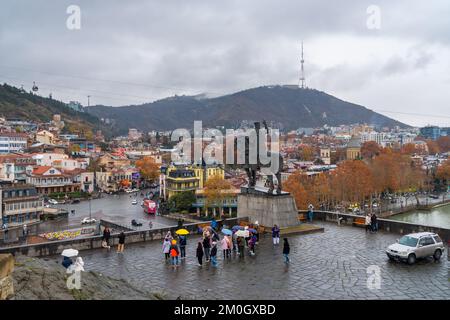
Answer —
237 228
252 230
227 232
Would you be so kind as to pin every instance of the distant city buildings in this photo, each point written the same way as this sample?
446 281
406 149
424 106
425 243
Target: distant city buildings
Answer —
20 204
11 142
434 132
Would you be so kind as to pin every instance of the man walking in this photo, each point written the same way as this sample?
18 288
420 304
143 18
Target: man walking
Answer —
286 250
183 242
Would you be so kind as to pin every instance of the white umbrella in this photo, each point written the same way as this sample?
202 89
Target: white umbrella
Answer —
242 233
69 253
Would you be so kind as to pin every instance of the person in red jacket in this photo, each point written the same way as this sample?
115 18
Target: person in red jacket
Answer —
174 253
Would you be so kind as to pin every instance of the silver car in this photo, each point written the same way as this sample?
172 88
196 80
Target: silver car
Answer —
413 246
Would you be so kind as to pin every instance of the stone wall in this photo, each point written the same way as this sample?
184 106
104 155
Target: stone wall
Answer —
95 242
268 210
393 226
6 282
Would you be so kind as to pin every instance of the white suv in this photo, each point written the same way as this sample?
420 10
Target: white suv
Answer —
416 245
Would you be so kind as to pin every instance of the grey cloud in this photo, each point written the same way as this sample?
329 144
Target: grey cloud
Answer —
188 47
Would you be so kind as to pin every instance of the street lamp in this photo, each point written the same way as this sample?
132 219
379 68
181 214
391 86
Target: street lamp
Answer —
90 208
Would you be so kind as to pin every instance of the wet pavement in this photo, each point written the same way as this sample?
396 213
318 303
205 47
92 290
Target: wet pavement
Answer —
336 264
115 208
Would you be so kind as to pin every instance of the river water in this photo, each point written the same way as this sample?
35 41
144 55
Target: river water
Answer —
437 217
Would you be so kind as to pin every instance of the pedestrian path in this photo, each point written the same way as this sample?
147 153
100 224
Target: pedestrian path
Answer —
329 265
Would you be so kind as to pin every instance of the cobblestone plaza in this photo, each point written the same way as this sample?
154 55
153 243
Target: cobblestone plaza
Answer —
335 264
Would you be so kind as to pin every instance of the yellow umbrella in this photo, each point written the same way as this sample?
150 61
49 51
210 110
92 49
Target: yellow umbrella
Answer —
182 232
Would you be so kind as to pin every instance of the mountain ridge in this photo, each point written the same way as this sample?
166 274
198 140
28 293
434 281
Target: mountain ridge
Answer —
290 106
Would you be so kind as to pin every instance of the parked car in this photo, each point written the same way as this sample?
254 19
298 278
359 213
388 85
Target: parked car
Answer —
414 246
134 202
433 196
134 223
52 201
88 220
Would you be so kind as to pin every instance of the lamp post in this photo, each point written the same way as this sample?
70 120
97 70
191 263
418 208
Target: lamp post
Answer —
90 208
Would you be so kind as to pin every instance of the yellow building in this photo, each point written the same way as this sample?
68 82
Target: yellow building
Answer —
180 178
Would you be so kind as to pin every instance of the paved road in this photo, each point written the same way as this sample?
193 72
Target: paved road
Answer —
330 265
117 208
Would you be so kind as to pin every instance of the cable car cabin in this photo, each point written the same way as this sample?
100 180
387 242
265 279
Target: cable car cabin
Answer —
149 206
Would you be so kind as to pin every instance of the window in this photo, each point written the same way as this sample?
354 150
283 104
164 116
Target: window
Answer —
426 241
437 239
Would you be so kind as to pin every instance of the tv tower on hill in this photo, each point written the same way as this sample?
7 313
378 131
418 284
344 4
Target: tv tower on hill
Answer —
301 82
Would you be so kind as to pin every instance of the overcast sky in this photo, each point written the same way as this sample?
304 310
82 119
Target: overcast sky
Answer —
132 52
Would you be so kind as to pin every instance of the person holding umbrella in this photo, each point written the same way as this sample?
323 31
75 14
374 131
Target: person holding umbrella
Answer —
183 242
67 255
182 237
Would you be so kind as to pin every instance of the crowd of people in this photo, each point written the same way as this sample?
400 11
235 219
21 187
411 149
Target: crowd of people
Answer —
232 245
207 250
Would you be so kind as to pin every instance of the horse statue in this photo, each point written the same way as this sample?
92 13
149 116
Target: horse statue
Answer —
252 168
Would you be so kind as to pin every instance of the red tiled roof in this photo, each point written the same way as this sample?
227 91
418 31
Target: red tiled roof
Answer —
41 170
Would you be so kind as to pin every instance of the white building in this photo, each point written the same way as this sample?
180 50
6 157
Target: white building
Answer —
12 142
60 161
379 137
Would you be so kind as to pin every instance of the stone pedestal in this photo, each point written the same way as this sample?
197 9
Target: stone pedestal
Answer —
6 283
268 208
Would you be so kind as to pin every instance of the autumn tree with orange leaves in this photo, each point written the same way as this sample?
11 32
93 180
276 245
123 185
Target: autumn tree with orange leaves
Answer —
295 187
216 190
370 149
148 168
443 173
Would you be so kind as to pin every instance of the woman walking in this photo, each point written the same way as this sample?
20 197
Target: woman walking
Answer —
224 245
286 250
166 248
200 253
121 244
207 247
276 235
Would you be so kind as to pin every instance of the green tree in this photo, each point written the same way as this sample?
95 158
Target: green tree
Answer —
182 201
